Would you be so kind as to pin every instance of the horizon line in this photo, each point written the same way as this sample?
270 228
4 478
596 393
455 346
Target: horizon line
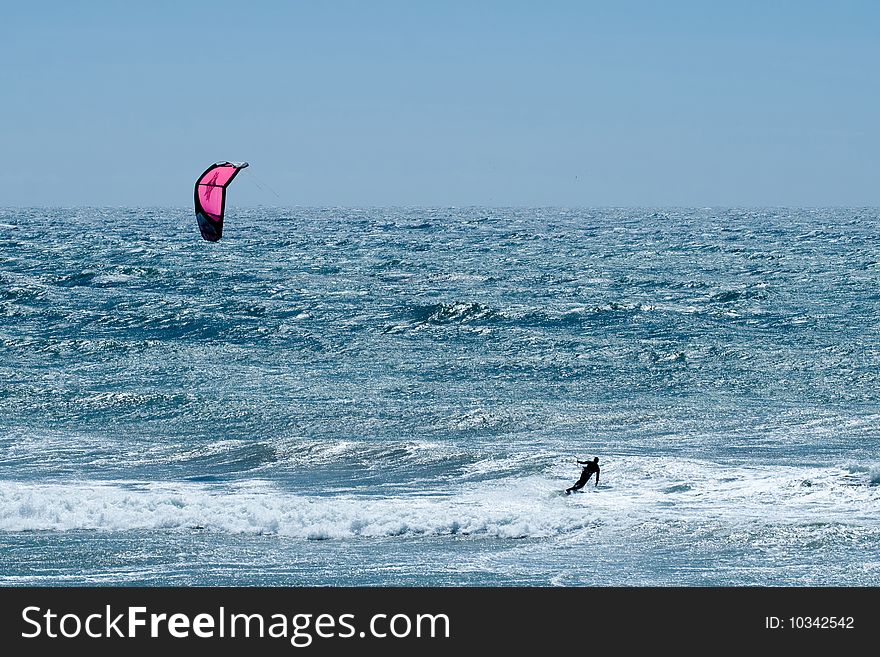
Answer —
700 206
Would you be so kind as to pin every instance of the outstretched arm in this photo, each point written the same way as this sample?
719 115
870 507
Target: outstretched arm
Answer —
583 462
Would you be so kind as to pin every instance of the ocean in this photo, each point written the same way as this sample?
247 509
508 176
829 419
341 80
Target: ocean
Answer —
399 396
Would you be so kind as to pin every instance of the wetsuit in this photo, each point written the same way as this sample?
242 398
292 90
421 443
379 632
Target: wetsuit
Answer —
586 473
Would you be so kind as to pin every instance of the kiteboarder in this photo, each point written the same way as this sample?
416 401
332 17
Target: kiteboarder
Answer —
586 473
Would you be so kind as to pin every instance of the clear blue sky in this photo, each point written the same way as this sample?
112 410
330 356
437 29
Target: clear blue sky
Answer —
442 102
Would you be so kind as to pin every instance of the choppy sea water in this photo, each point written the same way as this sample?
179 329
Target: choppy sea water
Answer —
398 397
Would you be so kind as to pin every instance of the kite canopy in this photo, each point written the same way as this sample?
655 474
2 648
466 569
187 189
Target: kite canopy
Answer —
210 197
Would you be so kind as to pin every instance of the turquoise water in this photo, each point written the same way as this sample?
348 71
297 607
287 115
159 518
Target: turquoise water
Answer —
398 396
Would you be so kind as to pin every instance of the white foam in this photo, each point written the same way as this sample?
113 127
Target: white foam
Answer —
676 489
871 470
633 494
258 507
110 279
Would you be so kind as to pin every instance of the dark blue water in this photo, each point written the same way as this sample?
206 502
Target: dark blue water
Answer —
398 396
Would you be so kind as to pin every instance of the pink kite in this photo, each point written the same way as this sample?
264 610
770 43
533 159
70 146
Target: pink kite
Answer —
210 197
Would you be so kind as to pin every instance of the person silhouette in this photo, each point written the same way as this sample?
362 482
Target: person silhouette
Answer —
586 473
